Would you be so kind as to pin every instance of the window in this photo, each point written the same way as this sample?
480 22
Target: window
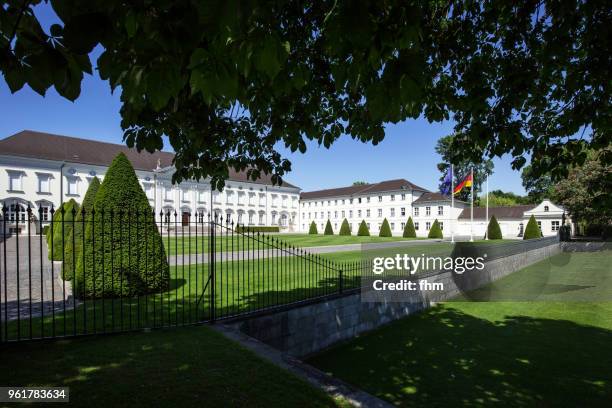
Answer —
45 213
351 201
416 226
262 200
403 211
403 196
367 213
427 226
546 208
403 225
73 186
554 226
368 224
343 213
392 197
17 213
336 202
201 196
540 225
322 214
359 213
416 211
261 218
15 183
393 212
368 199
380 212
148 189
329 214
440 210
328 202
44 183
427 210
392 226
342 202
359 200
380 199
168 194
184 195
216 197
441 225
335 214
350 213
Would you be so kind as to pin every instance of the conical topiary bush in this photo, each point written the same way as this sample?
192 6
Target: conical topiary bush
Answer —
385 229
313 229
345 228
86 206
363 230
328 229
63 222
122 229
409 231
435 231
532 231
493 230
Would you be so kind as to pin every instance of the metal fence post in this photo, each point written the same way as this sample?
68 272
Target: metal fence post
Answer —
340 281
212 251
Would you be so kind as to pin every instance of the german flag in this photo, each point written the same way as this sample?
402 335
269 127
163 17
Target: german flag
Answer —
467 182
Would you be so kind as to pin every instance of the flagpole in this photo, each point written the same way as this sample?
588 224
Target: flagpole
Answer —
472 206
487 210
452 214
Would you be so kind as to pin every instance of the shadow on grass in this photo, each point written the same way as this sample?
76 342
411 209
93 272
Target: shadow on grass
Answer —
182 367
445 357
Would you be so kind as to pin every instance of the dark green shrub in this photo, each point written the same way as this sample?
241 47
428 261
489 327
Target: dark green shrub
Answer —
385 229
409 231
493 230
435 231
313 229
243 228
363 230
565 233
63 222
77 232
532 231
45 231
345 228
124 230
328 229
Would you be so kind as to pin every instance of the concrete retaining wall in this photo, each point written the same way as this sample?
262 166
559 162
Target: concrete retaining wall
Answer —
306 329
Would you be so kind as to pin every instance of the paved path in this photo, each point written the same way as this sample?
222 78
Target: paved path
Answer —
204 258
25 286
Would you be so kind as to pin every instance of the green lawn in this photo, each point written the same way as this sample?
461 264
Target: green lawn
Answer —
192 366
554 351
223 242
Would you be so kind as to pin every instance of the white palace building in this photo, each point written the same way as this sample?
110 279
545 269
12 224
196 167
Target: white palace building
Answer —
42 170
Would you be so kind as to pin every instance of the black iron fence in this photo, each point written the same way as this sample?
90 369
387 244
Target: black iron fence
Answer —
118 270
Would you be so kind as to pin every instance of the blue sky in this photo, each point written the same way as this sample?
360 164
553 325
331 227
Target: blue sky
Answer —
407 151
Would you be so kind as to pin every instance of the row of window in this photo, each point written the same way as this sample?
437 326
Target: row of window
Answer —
392 213
401 226
343 201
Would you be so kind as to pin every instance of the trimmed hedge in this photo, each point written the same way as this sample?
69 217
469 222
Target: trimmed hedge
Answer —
385 229
532 231
328 229
128 235
62 228
242 228
313 229
409 231
45 231
493 230
435 231
345 228
363 230
87 205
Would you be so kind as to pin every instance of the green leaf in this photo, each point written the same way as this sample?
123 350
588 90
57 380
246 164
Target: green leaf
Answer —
131 24
266 58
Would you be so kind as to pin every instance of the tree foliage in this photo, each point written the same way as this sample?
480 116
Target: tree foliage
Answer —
86 207
493 229
345 228
587 192
63 222
532 230
435 231
538 186
313 229
409 231
363 230
499 198
229 81
328 229
385 229
122 228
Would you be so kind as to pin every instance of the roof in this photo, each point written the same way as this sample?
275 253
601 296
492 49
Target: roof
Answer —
515 211
48 146
428 197
360 189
